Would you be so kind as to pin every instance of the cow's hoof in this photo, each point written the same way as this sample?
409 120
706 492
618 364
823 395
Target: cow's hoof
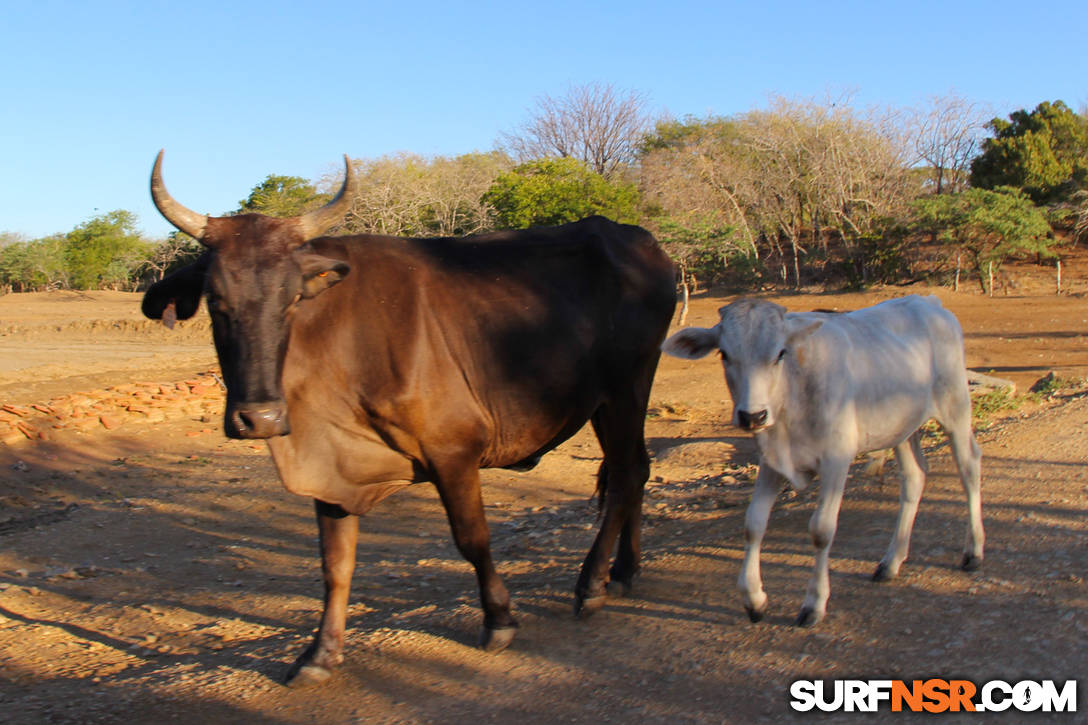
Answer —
619 588
808 617
754 615
496 640
585 607
883 573
306 675
970 562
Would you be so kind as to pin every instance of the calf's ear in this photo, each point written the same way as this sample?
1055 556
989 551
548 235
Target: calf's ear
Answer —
320 272
177 294
799 332
692 343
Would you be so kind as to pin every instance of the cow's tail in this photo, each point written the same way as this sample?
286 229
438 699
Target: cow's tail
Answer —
602 488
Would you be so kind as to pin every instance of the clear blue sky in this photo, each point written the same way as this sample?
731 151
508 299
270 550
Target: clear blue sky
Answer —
235 91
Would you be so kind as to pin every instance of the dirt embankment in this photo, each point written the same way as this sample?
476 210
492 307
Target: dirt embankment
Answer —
56 343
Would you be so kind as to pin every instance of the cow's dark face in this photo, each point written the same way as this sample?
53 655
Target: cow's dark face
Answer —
260 271
257 271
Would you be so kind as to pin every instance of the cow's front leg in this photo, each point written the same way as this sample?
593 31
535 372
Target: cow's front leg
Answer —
767 485
339 532
460 493
822 526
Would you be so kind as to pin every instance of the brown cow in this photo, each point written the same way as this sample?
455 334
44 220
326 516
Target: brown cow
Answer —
373 362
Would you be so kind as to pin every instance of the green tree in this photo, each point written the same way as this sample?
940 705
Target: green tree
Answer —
989 226
26 266
282 196
556 191
1044 152
672 133
105 251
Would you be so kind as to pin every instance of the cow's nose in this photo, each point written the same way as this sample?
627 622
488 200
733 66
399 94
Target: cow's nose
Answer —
263 420
749 420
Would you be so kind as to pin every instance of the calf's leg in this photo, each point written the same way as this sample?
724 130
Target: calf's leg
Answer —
767 485
822 526
968 457
912 465
339 532
954 415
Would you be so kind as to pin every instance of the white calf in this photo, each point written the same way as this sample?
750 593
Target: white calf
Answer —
817 389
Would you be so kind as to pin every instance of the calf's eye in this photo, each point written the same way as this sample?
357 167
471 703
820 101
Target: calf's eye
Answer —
781 355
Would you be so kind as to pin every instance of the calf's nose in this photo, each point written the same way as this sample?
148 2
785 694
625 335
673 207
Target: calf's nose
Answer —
749 420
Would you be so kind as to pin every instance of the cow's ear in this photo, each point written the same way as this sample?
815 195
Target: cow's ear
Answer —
182 289
692 343
320 272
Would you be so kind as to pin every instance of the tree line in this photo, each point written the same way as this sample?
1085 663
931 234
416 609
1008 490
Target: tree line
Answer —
801 191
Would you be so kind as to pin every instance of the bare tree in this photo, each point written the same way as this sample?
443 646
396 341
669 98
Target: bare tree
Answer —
1080 210
456 188
946 136
411 195
786 176
177 246
594 123
702 180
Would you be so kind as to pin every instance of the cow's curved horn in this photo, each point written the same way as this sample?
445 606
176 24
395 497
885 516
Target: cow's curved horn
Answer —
315 223
184 219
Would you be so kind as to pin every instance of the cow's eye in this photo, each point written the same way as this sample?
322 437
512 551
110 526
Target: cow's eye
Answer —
781 355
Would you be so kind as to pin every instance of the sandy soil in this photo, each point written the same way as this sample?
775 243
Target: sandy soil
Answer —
160 572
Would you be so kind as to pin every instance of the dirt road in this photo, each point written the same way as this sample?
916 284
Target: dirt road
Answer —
160 572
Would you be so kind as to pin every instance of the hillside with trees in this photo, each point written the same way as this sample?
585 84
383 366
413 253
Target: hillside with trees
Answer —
799 193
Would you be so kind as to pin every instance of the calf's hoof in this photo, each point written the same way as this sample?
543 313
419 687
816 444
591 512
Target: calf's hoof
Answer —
313 666
808 617
585 607
883 573
970 562
496 640
306 675
755 615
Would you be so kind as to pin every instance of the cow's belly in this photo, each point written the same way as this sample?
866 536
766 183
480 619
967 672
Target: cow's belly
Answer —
520 447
